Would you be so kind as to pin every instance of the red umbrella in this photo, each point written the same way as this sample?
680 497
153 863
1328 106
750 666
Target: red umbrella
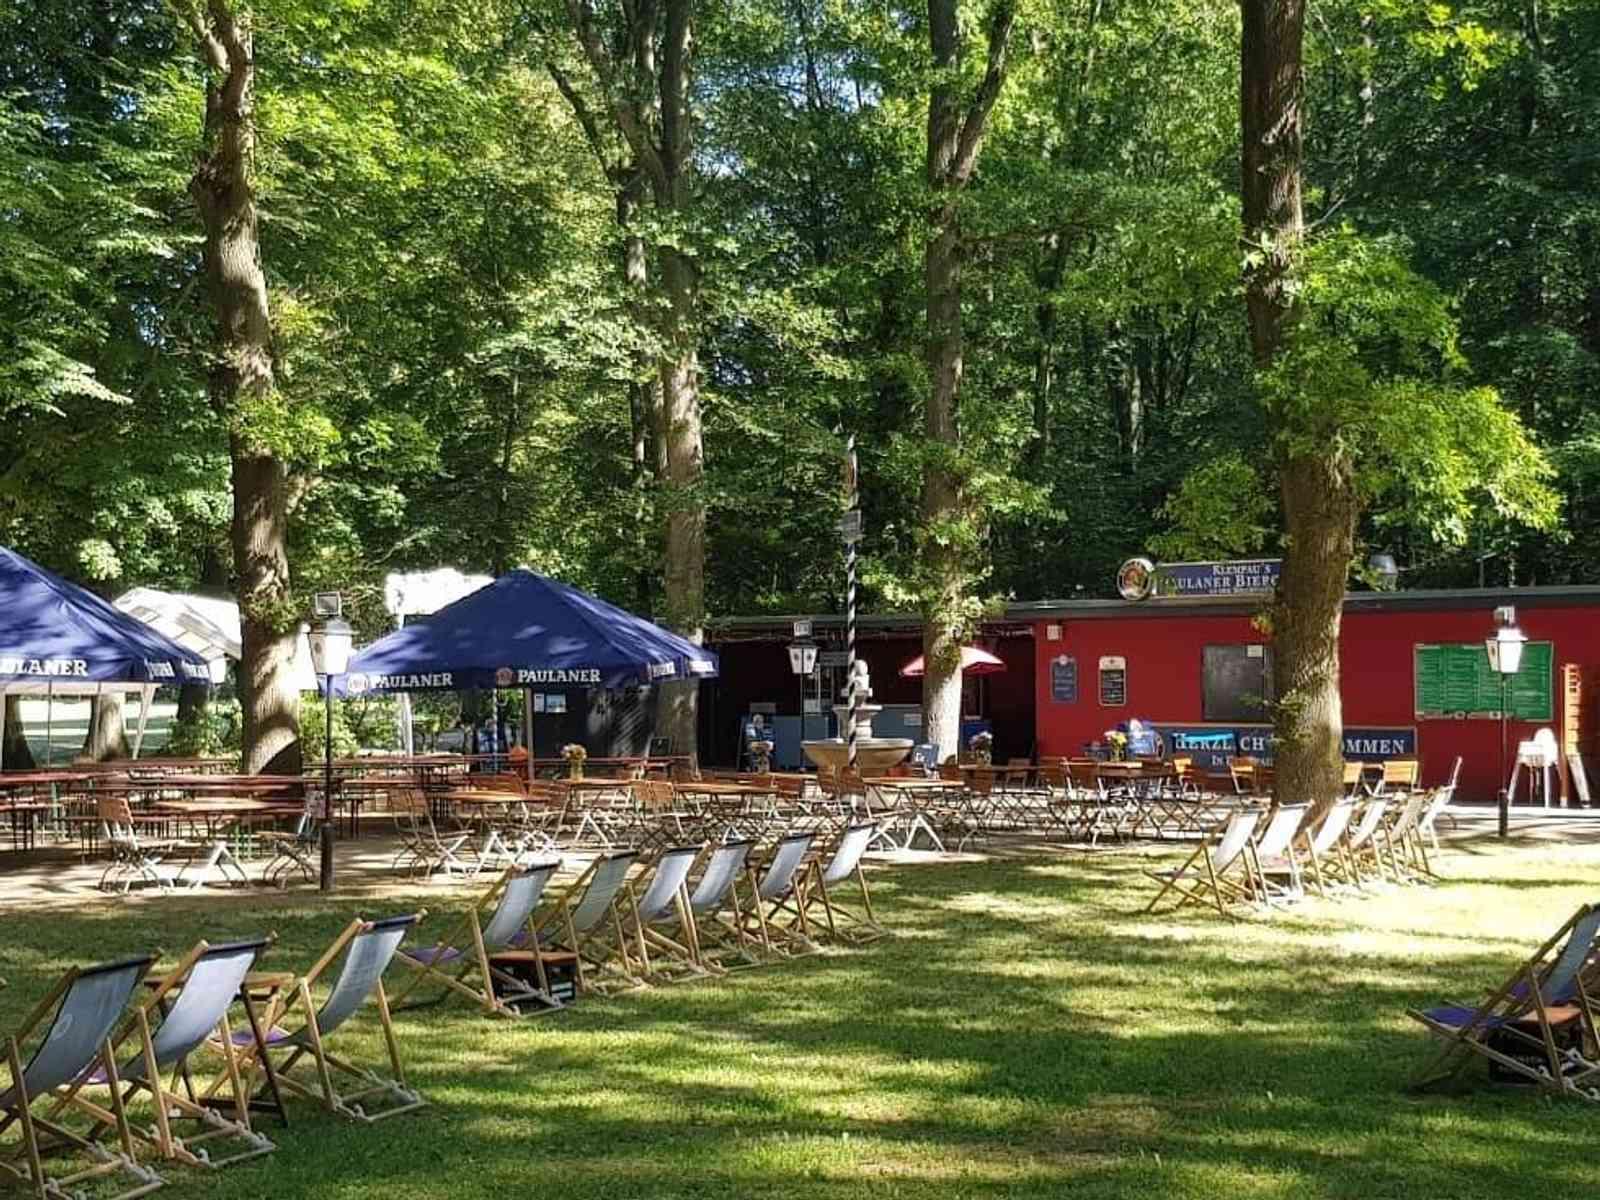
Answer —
973 662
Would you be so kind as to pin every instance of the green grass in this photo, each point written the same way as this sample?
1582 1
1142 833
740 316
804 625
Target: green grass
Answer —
1027 1032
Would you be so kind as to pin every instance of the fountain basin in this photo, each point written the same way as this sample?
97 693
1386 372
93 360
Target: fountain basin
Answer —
874 755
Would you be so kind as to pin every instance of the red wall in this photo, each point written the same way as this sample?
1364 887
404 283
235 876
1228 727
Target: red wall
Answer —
1376 657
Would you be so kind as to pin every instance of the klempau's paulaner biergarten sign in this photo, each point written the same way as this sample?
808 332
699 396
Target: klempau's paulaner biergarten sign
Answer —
1142 579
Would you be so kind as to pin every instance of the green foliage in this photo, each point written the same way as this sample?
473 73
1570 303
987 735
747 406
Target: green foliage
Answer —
205 731
1220 510
367 723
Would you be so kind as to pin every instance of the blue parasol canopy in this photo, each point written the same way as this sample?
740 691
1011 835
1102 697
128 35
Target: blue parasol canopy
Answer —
525 630
59 636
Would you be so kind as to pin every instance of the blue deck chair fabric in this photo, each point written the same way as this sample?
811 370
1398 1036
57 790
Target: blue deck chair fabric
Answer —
1501 1024
472 947
87 1004
823 887
368 948
207 983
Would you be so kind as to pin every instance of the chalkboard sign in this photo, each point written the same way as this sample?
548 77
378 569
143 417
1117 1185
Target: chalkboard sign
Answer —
1236 683
1064 679
1457 681
1113 680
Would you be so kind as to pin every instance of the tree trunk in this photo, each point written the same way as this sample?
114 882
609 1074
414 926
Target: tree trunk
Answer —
268 702
941 497
242 372
1320 505
106 738
15 753
684 592
644 391
955 138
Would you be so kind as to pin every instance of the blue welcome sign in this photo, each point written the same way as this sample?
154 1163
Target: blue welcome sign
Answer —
1210 746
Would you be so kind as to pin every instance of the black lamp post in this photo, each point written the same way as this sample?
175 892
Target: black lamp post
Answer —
1504 647
329 641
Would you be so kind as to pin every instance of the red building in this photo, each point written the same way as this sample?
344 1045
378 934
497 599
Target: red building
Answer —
1414 676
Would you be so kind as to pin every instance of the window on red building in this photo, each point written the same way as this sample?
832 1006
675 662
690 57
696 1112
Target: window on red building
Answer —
1237 683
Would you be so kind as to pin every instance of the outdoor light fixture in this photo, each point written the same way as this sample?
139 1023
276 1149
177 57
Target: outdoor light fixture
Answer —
1504 647
329 640
803 662
1385 571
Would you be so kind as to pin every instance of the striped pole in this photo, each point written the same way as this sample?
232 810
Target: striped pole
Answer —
853 680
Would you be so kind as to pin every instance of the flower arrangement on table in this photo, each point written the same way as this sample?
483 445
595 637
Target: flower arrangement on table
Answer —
575 755
982 747
1116 744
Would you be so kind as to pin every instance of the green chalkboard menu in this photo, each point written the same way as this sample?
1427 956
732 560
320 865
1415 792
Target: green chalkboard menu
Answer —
1456 680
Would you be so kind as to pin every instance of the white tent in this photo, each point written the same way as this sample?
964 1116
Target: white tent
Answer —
416 594
208 625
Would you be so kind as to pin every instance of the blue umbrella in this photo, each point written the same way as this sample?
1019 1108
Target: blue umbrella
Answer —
525 630
57 635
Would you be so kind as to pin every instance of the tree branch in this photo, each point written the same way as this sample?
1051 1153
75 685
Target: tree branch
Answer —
1003 17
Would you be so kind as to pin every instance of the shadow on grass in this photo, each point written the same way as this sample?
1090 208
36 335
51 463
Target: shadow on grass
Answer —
1023 1033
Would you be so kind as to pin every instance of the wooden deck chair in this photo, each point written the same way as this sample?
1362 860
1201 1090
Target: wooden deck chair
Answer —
160 1036
368 947
82 1010
1325 844
775 906
462 962
822 886
582 912
1516 1027
1399 774
1218 874
708 927
1273 856
1442 798
1242 771
624 949
1360 851
1402 844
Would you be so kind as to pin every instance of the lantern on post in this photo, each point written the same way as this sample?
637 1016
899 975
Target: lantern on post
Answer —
329 640
1504 647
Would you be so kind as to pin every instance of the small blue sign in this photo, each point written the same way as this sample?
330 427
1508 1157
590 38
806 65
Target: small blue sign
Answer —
1064 679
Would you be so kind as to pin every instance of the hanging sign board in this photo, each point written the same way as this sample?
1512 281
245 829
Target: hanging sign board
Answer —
1113 680
1064 679
1456 680
850 525
1141 579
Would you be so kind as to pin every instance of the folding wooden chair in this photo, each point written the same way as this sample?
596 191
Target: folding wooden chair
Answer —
1273 856
705 931
625 948
823 885
368 948
775 895
423 850
164 1033
575 918
1524 1028
463 962
82 1008
1218 874
1360 850
1325 844
295 850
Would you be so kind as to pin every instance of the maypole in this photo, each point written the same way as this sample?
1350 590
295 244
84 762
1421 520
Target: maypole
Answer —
850 529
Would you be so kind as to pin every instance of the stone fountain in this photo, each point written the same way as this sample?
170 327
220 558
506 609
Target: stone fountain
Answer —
874 755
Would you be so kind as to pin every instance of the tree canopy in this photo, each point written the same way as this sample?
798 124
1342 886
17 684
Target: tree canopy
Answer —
514 250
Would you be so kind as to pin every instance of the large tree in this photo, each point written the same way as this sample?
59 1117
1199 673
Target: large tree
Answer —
241 382
641 57
957 121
